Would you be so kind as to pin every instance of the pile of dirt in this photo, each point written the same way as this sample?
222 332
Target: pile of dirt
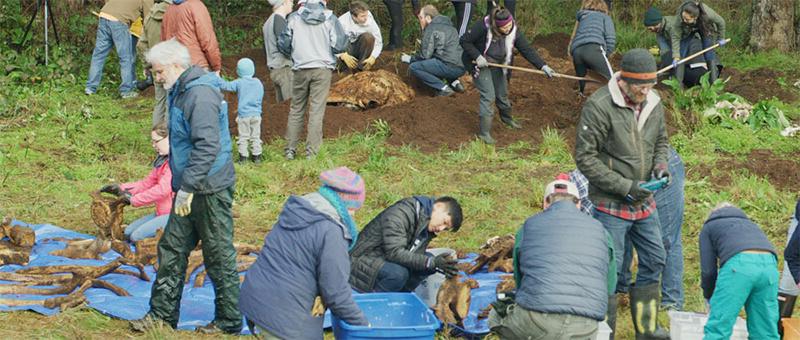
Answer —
779 171
758 85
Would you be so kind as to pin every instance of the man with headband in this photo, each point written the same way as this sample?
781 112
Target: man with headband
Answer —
621 143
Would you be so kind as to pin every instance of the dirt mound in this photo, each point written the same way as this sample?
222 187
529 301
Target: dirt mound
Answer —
758 85
780 172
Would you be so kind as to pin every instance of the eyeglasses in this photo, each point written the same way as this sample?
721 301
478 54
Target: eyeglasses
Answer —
154 142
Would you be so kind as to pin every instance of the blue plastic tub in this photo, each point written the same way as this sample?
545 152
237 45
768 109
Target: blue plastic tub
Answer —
391 316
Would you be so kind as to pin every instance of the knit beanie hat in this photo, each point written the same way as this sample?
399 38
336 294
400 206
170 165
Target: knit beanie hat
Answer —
347 184
639 67
245 68
652 17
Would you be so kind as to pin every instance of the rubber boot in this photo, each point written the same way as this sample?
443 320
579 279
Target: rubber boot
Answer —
486 128
713 71
256 159
644 312
611 314
785 306
243 159
505 117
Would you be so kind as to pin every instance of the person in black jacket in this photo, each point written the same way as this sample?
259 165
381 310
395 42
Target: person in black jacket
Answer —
395 8
389 254
492 40
511 5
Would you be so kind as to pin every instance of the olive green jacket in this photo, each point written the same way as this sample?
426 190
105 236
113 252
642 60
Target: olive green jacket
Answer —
614 150
713 22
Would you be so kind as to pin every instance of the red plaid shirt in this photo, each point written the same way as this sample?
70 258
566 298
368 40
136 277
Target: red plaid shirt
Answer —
628 212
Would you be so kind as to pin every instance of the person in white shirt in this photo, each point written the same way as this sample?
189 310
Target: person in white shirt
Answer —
363 36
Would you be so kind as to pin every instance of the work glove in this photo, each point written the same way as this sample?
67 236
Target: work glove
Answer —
349 60
675 63
654 50
113 189
367 63
183 203
481 62
126 197
548 71
444 264
722 42
405 58
660 171
637 194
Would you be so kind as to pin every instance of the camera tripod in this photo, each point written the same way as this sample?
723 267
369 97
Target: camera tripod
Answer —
47 10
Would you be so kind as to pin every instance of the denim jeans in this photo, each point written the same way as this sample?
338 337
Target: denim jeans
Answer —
146 226
432 71
787 284
393 277
670 204
112 34
645 236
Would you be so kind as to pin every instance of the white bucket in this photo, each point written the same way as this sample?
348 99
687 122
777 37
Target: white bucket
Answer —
429 287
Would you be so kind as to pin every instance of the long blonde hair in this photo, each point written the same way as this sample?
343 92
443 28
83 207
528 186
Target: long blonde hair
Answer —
595 5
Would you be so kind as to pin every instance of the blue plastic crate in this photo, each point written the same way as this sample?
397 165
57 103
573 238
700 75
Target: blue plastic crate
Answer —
391 316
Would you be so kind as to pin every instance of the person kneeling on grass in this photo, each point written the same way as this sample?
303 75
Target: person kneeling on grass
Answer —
154 189
563 282
747 274
390 256
304 259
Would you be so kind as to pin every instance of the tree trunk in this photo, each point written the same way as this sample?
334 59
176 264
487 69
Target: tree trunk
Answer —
771 25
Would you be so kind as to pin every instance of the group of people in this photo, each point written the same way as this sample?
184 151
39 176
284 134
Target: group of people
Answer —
314 256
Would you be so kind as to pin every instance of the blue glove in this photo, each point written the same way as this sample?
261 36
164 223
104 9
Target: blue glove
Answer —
722 42
675 63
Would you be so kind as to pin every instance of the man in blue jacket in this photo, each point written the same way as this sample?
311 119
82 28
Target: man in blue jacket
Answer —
305 256
563 282
204 178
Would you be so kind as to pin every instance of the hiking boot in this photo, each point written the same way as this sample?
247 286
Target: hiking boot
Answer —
485 130
644 312
446 91
505 117
289 154
256 159
212 328
242 159
310 155
88 92
457 86
148 322
129 95
144 84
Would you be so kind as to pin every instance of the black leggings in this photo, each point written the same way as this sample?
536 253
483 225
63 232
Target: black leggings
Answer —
395 8
463 14
590 57
510 5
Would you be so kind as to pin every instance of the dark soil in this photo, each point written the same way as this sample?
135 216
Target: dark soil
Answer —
758 85
782 173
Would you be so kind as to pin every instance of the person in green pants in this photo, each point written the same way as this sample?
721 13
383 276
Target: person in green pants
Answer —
747 275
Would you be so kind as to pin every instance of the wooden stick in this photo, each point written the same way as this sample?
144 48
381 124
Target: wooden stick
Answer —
530 70
665 69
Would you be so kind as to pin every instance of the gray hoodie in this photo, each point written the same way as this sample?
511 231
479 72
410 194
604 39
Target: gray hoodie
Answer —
273 27
320 36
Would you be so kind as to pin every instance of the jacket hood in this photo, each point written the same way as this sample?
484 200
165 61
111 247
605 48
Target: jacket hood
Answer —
192 74
313 12
441 20
303 212
727 212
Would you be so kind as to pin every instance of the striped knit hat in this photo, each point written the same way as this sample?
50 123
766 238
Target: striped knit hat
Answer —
348 184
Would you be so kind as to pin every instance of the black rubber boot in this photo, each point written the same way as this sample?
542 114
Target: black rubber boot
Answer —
486 128
505 117
611 314
713 71
644 312
144 84
785 307
243 159
256 159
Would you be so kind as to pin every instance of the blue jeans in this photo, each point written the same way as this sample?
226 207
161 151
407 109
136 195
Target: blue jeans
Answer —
112 34
787 285
393 277
145 227
432 71
670 203
645 235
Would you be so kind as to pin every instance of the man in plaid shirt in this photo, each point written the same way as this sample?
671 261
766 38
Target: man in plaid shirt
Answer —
621 143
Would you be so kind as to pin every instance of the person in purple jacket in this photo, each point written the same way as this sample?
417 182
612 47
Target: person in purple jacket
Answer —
304 257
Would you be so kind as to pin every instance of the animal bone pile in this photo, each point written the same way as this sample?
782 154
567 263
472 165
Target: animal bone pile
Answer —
370 89
243 262
17 249
107 213
453 299
497 253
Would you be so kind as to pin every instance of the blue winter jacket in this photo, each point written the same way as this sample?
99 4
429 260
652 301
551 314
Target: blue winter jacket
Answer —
304 256
563 261
250 94
199 139
594 28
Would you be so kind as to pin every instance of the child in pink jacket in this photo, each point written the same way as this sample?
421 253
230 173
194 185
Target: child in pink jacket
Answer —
153 189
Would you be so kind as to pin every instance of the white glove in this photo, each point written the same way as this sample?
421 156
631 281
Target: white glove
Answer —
183 203
548 71
481 62
405 58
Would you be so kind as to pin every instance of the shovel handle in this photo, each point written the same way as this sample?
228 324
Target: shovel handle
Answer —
665 69
530 70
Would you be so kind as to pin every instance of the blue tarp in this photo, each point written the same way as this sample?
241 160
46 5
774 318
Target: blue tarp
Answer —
197 305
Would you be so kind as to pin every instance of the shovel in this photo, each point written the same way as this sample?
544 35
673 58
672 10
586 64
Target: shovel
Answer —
530 70
680 62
